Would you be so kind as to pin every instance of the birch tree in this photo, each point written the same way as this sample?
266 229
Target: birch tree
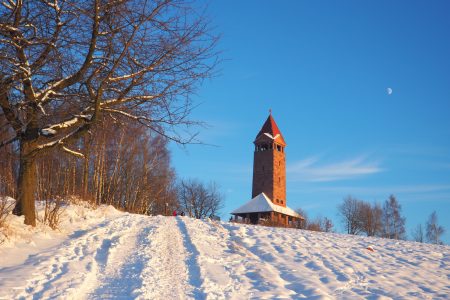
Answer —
434 230
417 234
66 63
393 221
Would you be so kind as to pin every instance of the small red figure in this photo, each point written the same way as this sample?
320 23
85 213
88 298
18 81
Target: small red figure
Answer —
174 213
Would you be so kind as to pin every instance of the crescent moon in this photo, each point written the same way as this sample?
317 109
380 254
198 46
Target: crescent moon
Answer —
389 91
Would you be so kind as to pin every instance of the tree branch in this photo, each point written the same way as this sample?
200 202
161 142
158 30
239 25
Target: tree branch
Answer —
68 81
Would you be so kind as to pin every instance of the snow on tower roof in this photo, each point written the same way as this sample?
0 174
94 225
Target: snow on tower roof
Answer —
271 130
262 203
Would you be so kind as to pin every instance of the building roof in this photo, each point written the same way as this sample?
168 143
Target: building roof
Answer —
262 203
271 130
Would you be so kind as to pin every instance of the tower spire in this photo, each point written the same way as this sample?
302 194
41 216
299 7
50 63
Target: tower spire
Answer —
270 129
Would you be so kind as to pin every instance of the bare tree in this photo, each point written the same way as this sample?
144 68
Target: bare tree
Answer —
315 225
304 223
327 225
199 201
322 224
370 218
350 212
64 65
129 168
418 234
434 230
393 222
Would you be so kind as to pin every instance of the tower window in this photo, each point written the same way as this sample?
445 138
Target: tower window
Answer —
279 148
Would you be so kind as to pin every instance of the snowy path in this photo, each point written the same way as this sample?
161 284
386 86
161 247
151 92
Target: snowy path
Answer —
78 265
125 256
167 273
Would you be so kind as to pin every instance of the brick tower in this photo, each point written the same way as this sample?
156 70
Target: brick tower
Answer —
269 163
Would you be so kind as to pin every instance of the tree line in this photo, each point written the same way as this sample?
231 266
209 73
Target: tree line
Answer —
375 219
90 94
386 220
125 165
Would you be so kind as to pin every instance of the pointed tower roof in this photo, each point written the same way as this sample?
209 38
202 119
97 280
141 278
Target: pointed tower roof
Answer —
270 130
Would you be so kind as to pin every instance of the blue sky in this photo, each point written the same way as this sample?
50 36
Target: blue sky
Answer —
324 67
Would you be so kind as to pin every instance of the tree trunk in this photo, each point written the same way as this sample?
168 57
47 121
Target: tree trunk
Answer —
26 186
87 146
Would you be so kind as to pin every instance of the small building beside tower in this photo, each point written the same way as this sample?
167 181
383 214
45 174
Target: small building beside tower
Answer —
268 204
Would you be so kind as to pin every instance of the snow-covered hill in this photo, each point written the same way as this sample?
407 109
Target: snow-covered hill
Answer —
107 254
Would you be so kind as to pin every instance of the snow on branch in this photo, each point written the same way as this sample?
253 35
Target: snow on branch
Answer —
48 132
72 152
51 130
60 143
8 6
123 100
128 115
7 27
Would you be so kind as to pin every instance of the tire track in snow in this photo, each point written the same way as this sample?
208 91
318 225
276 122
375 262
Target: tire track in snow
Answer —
69 270
166 275
213 260
195 278
120 272
48 266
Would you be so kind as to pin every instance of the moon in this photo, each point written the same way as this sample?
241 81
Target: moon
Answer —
389 91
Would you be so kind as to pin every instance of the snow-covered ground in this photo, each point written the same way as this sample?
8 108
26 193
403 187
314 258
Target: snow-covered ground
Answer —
108 254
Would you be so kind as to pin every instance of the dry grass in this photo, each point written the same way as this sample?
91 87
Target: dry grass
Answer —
52 212
5 209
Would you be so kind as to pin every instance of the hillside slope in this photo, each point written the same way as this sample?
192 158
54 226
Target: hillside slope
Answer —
109 254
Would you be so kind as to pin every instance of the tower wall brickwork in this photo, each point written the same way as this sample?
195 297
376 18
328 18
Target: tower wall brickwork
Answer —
269 175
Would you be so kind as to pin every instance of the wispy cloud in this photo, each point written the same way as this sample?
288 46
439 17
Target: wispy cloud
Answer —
311 169
394 189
